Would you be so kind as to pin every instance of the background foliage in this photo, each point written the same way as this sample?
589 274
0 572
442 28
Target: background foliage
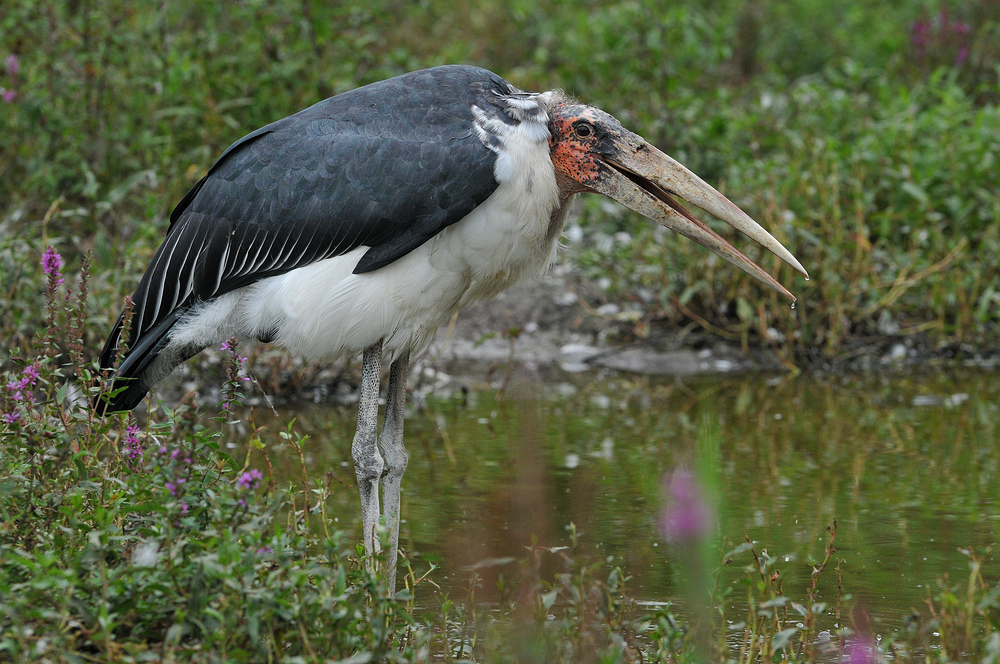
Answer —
864 136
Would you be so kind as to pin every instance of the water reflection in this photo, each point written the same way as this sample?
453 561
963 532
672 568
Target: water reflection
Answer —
908 465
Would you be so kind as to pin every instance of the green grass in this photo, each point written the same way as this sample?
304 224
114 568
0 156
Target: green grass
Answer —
882 192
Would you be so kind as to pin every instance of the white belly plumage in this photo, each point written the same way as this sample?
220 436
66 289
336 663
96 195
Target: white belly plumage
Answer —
324 311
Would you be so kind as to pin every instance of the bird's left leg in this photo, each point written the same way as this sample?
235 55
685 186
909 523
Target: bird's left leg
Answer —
394 452
368 463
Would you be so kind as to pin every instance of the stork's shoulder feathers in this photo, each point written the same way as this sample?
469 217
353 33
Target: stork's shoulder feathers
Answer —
384 165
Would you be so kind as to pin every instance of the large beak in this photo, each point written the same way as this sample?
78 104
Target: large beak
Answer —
642 178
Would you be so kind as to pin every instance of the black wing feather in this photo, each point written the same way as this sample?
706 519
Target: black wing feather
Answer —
388 165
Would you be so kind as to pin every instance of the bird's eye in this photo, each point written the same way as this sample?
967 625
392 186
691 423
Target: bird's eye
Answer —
584 130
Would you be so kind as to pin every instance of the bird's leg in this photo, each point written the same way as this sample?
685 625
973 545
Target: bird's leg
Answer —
368 463
390 442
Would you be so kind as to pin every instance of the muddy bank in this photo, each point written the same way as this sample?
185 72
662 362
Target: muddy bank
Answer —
557 326
552 326
548 323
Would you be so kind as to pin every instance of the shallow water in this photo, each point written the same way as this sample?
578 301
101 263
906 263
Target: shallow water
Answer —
908 465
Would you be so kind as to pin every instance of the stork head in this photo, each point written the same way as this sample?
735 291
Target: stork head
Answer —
593 152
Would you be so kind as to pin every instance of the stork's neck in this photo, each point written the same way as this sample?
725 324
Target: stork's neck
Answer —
559 215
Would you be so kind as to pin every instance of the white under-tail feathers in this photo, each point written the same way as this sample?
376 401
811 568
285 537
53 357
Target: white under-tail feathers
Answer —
324 311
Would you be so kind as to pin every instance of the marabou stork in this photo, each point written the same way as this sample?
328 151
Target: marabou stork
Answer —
363 223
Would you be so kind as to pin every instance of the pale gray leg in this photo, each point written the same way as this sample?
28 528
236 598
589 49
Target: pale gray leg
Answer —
390 442
368 463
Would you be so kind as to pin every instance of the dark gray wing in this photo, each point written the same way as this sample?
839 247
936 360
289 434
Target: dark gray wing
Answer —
388 165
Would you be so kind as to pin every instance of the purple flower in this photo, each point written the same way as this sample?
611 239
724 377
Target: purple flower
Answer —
232 347
30 372
11 417
263 550
174 487
919 34
20 389
687 515
8 95
132 446
249 480
859 651
961 56
52 263
13 64
234 369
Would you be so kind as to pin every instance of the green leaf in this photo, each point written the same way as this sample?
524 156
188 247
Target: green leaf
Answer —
147 507
228 459
777 601
916 192
483 339
780 639
81 467
742 548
